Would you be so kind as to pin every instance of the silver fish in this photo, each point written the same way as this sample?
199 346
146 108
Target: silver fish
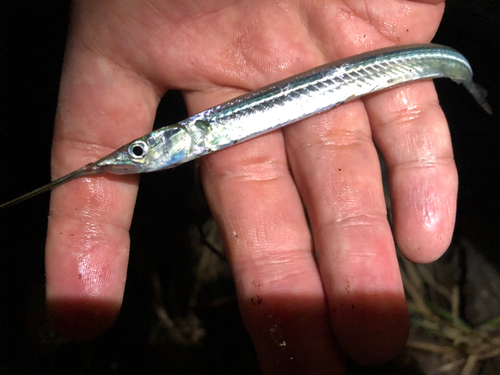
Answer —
277 105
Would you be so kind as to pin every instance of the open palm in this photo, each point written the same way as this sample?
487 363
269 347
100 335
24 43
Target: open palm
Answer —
338 291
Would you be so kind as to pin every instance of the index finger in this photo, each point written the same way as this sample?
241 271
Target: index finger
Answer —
101 107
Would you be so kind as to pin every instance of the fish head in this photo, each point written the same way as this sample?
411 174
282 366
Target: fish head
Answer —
161 149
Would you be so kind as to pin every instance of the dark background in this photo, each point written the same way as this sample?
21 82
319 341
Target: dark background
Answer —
32 38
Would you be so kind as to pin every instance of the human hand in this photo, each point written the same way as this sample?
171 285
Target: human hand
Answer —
121 58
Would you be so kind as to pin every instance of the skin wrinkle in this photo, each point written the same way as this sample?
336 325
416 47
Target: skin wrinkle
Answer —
256 169
364 258
90 119
412 114
91 229
398 127
348 204
394 30
90 151
412 99
340 184
96 209
354 36
350 262
257 239
425 164
319 51
331 137
206 10
245 47
123 66
229 55
358 10
91 41
274 248
421 142
285 51
282 273
427 157
422 139
361 220
347 258
334 141
258 173
257 166
237 56
410 106
346 247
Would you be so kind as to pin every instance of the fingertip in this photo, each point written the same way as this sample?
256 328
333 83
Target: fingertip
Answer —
425 247
424 213
372 329
82 319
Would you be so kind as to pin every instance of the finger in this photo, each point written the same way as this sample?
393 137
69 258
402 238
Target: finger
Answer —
261 219
336 169
412 133
101 107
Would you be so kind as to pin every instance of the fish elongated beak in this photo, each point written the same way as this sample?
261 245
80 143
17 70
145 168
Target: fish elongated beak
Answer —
118 162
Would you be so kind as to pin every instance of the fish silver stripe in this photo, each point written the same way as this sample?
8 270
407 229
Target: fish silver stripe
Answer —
278 105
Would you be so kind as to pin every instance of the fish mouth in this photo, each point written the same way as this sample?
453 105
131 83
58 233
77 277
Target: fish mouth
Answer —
118 162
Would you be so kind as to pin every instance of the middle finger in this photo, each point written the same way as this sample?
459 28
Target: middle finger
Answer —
337 171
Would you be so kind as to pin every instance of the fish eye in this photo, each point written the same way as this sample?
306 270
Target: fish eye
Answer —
138 149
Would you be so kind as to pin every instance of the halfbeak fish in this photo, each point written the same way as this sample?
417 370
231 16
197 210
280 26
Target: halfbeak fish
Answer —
277 105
